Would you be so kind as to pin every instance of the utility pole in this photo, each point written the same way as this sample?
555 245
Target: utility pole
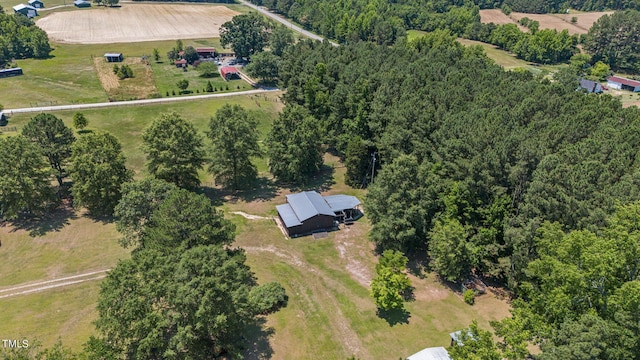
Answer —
373 167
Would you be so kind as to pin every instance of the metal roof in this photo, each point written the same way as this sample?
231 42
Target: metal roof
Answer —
308 204
433 353
339 203
23 6
288 215
623 81
113 54
33 1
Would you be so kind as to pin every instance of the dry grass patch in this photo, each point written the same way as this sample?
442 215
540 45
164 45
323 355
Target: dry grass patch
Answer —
141 86
547 21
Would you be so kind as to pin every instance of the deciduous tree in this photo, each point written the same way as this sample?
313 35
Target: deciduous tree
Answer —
247 34
80 121
264 65
391 283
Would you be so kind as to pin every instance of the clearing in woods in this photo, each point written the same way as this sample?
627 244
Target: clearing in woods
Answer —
135 23
547 21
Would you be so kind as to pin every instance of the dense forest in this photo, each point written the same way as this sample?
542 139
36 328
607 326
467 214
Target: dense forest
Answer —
21 39
489 172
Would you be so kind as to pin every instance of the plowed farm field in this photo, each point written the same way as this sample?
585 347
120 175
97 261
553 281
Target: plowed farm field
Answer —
547 21
135 23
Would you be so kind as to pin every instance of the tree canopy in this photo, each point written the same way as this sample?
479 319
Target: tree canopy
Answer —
613 39
20 38
247 34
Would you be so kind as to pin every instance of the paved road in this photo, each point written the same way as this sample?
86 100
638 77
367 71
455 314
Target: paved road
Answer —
285 22
133 102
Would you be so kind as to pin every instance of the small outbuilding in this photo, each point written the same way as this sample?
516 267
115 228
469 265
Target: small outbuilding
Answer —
3 119
10 72
38 4
620 83
82 3
113 57
26 10
590 86
206 53
229 72
433 353
180 63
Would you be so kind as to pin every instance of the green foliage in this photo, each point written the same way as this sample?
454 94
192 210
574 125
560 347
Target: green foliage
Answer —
246 33
172 55
268 298
97 169
600 71
80 121
25 184
156 55
208 70
357 162
124 72
209 86
21 39
174 150
140 199
53 138
116 69
474 343
264 65
182 84
613 40
449 249
469 296
294 146
279 39
234 135
179 46
35 351
391 283
190 54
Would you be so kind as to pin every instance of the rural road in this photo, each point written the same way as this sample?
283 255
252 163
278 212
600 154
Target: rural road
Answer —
29 288
133 102
285 22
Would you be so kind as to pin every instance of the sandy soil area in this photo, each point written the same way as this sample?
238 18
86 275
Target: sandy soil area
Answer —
135 23
547 21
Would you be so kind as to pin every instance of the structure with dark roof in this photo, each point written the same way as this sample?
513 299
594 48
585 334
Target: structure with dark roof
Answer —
433 353
590 86
180 63
113 57
82 3
26 10
620 83
207 52
309 211
38 4
229 72
10 72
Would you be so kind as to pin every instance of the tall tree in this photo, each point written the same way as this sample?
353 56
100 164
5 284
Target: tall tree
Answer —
264 65
294 145
614 39
475 343
25 184
279 39
391 283
234 135
54 138
247 34
97 168
174 150
357 161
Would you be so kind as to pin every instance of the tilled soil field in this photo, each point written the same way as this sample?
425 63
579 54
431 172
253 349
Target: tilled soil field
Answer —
135 23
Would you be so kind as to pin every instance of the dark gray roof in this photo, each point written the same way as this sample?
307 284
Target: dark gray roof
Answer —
434 353
308 204
341 202
288 215
23 6
589 85
113 54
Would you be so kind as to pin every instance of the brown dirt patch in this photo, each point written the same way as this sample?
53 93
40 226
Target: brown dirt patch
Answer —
135 23
547 21
497 17
141 86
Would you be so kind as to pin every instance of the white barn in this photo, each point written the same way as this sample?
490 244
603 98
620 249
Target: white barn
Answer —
620 83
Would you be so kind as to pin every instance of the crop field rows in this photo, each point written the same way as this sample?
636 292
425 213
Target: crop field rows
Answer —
560 22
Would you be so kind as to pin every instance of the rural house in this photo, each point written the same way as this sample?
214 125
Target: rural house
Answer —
433 353
206 53
590 86
620 83
81 3
182 63
10 72
38 4
113 57
309 211
26 10
229 72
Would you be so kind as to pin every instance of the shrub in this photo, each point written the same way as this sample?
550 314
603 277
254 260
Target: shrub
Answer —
469 296
267 298
506 9
574 19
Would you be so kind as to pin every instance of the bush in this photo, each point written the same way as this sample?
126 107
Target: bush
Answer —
574 19
469 296
506 9
267 298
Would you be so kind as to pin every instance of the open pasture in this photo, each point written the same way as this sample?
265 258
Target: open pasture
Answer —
547 21
135 23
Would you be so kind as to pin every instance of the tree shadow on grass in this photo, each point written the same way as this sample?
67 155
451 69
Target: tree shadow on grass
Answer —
256 340
53 220
394 316
321 182
264 189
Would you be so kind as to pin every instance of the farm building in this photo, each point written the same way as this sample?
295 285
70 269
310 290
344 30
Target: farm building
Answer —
113 57
433 353
26 10
590 86
81 3
229 72
620 83
180 63
309 211
38 4
206 53
3 119
10 72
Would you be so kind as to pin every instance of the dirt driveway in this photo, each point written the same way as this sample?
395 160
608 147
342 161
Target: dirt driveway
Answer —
135 23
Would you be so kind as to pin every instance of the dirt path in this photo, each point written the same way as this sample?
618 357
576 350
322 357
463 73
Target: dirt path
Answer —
249 216
33 287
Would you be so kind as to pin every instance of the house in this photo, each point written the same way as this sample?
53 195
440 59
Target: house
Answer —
229 72
38 4
113 57
309 211
180 63
206 53
26 10
590 86
10 72
620 83
433 353
81 3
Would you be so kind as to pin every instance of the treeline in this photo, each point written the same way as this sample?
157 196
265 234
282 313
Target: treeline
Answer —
540 46
21 39
615 40
558 6
382 22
